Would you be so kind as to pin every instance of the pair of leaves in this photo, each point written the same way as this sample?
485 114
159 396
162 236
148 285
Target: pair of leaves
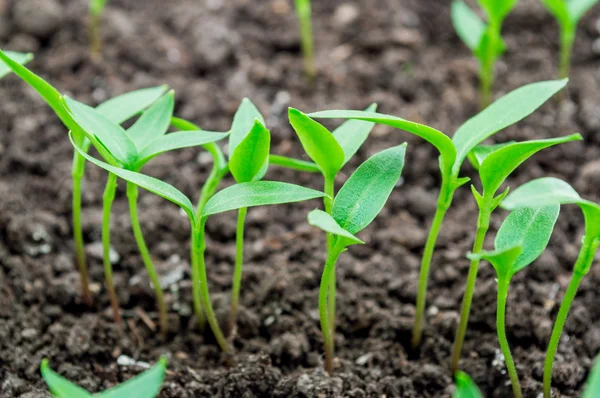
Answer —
362 197
16 57
568 12
144 385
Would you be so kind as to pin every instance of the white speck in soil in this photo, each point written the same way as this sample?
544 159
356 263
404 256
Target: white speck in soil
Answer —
498 361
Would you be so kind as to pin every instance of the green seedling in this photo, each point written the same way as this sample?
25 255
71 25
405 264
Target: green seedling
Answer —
118 110
303 10
494 170
567 14
330 152
548 191
144 385
355 206
521 240
244 195
19 58
506 111
96 8
131 150
483 39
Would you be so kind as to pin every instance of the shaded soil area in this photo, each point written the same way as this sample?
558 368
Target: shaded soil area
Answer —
403 55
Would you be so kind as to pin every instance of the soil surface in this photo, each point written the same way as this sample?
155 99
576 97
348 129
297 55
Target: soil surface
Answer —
403 55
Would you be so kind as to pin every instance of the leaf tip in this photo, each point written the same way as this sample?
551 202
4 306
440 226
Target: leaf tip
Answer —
45 365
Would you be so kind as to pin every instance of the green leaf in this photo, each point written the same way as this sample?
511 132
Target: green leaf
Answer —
506 111
294 164
16 57
59 386
467 24
502 260
363 196
257 193
125 106
501 163
465 387
320 145
497 10
320 219
112 136
353 133
592 390
529 228
490 47
243 122
248 161
438 139
178 140
480 152
559 9
154 122
144 385
577 8
151 184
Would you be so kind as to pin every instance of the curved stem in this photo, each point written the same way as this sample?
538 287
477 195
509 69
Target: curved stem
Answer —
78 170
326 327
107 201
483 224
200 284
329 189
132 195
237 272
501 331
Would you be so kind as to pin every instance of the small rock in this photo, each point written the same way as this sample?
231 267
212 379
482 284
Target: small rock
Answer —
589 175
214 43
29 334
96 250
345 14
38 18
420 202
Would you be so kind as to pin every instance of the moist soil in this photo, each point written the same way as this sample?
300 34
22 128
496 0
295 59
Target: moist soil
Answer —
403 55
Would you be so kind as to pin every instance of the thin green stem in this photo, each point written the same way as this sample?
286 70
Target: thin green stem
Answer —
77 174
326 327
501 331
200 284
329 189
94 33
107 201
303 9
567 39
486 72
237 272
293 164
483 224
132 195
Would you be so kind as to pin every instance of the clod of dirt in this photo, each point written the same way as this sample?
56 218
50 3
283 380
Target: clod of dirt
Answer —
39 18
213 44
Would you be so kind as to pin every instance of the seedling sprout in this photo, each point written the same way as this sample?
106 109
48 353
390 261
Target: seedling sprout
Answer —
96 8
303 10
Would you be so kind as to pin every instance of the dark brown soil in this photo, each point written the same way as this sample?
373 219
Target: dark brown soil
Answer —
403 55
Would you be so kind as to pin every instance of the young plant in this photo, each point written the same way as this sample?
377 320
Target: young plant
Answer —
567 14
19 58
303 9
356 205
548 191
506 111
521 239
144 385
244 195
494 170
96 7
483 39
118 110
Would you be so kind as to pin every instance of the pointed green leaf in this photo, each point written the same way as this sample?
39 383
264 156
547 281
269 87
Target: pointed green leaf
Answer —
363 196
467 24
257 193
144 385
529 228
154 122
112 136
497 10
438 139
320 145
249 160
178 140
559 9
577 8
19 58
320 219
243 121
151 184
490 47
506 111
465 387
592 389
501 163
353 133
59 386
480 152
123 107
502 260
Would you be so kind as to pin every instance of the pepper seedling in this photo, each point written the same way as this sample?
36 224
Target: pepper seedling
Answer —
567 14
144 385
303 10
248 194
118 110
355 206
19 58
494 170
330 152
504 112
483 39
96 8
521 239
547 191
